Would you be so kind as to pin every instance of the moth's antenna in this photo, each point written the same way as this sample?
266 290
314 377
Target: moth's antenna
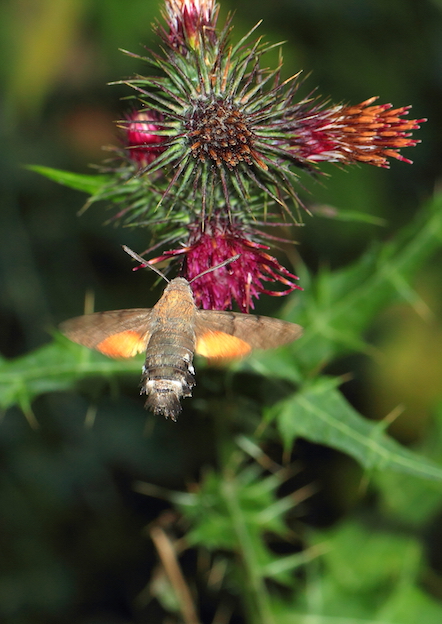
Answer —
144 263
218 266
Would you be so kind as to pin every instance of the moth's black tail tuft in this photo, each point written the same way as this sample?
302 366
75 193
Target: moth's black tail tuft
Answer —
164 403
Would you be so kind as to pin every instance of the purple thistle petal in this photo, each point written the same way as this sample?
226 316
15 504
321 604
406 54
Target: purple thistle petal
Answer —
214 241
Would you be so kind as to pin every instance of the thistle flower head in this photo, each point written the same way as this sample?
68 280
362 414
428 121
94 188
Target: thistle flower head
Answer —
362 133
234 131
226 123
188 21
142 142
212 242
219 141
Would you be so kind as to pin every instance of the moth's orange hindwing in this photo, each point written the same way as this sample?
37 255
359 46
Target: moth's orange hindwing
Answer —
222 334
125 344
117 334
215 344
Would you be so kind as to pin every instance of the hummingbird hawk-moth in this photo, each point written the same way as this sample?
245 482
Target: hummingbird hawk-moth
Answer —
171 333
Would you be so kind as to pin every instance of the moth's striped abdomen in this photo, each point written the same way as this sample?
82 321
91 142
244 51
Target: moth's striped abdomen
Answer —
168 372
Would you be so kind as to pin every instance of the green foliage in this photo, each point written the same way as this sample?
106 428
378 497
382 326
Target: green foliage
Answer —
321 414
53 368
336 308
238 507
353 573
90 184
408 498
339 306
367 576
233 511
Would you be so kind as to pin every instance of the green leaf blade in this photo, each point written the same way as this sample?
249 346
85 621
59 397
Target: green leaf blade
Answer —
322 415
91 184
54 367
339 306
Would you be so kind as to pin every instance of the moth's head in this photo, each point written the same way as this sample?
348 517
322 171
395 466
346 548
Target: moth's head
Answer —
178 285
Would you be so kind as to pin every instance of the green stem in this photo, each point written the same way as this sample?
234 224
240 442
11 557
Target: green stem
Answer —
255 592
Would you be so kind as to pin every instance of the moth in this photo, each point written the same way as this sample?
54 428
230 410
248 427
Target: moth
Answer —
170 334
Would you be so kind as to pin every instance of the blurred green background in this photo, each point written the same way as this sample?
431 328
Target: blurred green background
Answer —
72 547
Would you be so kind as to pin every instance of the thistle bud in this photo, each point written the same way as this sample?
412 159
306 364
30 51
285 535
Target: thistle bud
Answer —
142 142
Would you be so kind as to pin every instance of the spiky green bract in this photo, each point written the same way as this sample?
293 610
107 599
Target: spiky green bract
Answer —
226 128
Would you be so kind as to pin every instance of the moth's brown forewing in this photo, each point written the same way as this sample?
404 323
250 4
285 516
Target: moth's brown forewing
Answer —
117 334
170 333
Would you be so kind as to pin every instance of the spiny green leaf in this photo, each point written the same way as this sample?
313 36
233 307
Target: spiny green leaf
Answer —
91 184
250 497
408 498
54 367
338 306
321 414
233 511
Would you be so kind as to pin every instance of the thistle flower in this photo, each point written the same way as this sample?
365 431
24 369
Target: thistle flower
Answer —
142 142
188 21
216 239
234 131
219 142
346 134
